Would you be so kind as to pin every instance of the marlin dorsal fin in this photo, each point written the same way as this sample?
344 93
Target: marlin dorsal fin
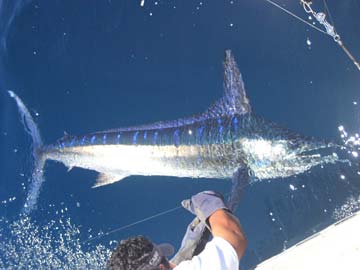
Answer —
234 100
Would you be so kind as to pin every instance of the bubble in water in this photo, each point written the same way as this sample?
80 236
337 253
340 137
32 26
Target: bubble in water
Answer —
308 42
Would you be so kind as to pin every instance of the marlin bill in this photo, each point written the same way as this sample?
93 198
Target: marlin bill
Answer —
227 141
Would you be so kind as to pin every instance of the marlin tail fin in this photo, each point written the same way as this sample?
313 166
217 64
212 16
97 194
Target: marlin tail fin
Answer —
39 160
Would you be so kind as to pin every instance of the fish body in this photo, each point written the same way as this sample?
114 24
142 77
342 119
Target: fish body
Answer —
201 149
206 148
225 139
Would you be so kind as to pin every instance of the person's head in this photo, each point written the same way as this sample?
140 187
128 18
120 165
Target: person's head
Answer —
139 253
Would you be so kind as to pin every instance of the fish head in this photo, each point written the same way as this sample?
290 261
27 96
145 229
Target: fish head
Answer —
281 153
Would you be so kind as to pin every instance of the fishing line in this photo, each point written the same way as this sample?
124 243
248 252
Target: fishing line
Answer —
295 16
142 221
321 18
328 12
330 29
131 224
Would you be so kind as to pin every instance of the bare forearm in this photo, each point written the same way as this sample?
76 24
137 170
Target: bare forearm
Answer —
225 225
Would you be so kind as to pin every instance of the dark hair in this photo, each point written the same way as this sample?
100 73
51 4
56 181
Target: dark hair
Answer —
130 253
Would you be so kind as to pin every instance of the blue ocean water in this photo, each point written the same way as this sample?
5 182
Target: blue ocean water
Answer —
83 66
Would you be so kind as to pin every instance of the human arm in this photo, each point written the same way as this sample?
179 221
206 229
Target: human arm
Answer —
223 224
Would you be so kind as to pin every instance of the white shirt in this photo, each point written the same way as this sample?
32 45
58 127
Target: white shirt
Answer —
218 254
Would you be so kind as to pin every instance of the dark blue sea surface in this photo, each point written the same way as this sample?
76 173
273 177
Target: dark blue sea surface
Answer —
87 65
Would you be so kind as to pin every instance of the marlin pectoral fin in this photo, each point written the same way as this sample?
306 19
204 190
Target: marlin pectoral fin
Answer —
106 179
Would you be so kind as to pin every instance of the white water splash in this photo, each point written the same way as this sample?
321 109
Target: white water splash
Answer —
351 206
56 245
351 141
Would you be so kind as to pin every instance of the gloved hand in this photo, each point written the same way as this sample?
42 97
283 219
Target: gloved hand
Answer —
190 242
204 204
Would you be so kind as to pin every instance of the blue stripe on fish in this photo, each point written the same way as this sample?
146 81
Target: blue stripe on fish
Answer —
235 123
176 138
61 144
104 139
72 142
145 135
83 140
135 137
200 132
155 137
92 140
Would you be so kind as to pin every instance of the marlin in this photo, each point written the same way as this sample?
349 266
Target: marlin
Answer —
227 141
